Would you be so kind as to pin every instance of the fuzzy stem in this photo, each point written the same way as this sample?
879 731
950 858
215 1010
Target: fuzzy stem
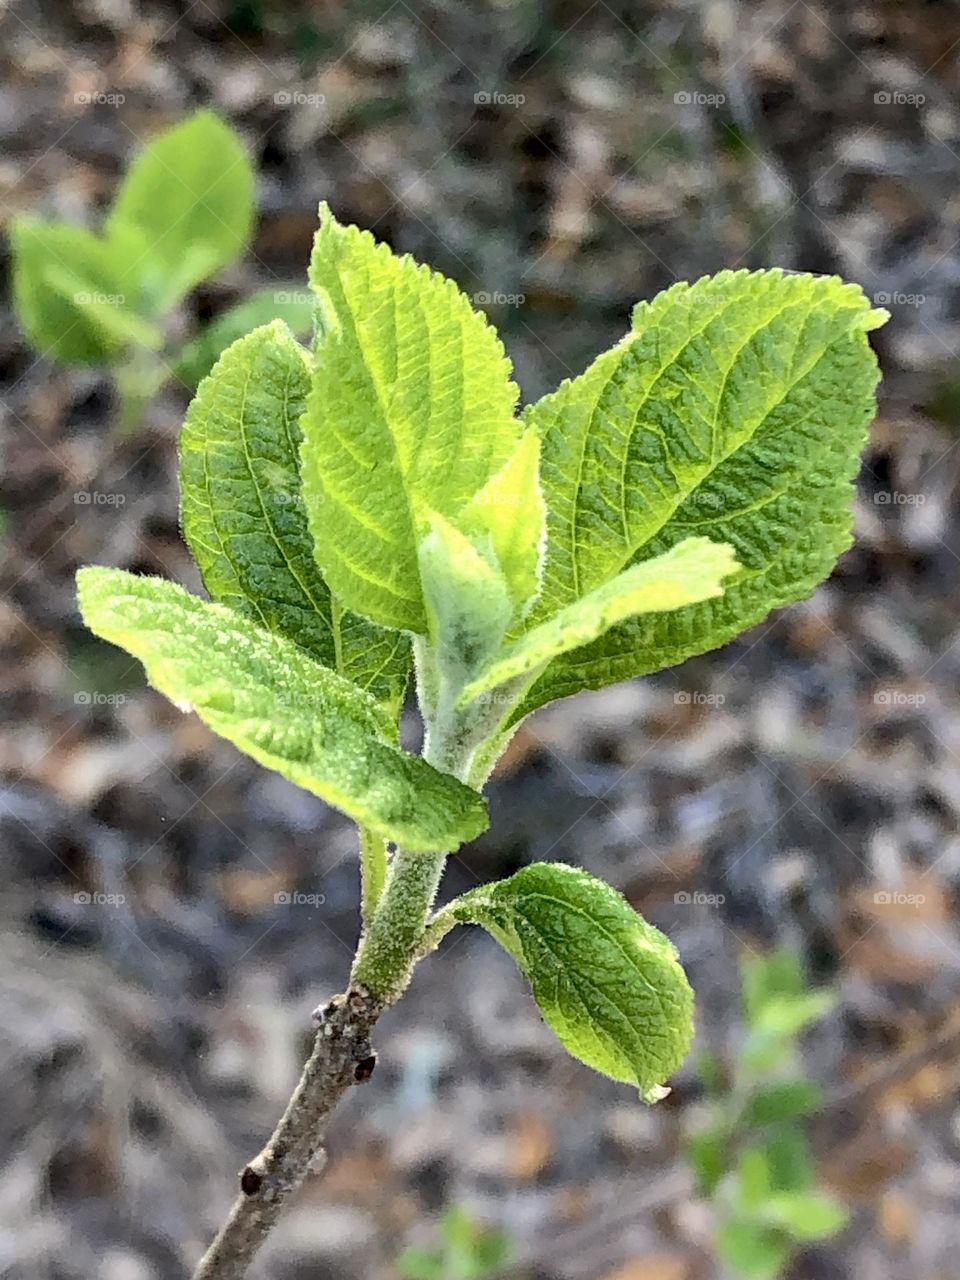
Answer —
437 928
397 901
389 947
373 871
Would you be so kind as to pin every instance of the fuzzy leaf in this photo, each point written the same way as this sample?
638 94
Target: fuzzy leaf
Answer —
189 195
466 597
267 697
736 408
243 515
693 570
410 411
510 511
609 984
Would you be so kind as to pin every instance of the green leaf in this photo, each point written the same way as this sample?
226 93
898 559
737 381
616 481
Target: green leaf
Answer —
708 1153
410 412
267 697
806 1215
691 571
510 511
765 978
736 408
243 515
753 1251
189 194
420 1264
65 288
198 357
753 1184
376 660
466 597
712 1073
784 1100
788 1015
608 983
788 1159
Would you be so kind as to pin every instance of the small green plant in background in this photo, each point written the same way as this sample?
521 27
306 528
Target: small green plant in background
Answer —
183 211
373 509
466 1251
752 1157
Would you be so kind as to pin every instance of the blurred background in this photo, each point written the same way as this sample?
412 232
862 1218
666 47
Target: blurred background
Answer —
799 788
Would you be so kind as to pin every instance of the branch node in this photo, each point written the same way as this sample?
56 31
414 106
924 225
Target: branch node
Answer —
250 1181
364 1068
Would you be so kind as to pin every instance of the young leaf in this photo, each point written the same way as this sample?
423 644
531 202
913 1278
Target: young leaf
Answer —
267 697
806 1215
787 1154
608 983
691 571
510 511
753 1180
411 411
708 1153
752 1251
766 978
189 194
466 597
198 357
783 1100
736 408
59 274
243 514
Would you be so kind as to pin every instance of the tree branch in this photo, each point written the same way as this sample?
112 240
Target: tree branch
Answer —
341 1057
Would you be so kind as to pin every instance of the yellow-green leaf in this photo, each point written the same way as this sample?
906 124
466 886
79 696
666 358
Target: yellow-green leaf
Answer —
244 519
265 695
608 983
691 571
411 411
736 408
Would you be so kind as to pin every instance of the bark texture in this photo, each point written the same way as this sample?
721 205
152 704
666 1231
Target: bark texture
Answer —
342 1056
